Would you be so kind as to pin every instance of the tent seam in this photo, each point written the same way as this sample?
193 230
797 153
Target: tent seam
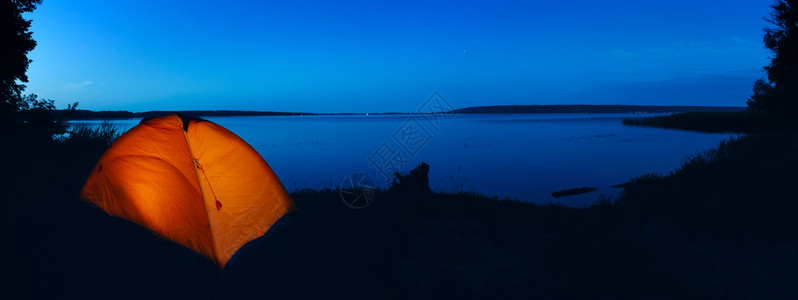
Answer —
202 192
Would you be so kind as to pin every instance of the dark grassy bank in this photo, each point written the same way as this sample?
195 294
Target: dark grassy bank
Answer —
726 218
736 121
721 226
403 246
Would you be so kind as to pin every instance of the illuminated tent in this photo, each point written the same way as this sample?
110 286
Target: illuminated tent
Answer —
191 181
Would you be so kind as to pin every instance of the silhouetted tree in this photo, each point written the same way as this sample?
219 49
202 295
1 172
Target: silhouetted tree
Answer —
15 42
780 91
23 118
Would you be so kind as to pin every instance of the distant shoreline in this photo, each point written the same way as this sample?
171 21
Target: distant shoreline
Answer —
550 109
82 114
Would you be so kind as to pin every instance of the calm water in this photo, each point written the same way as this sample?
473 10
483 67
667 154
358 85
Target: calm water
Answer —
526 156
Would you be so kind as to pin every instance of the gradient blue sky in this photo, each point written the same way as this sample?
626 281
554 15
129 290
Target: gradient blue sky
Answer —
369 56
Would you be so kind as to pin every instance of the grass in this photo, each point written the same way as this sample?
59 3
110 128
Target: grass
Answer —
468 245
744 186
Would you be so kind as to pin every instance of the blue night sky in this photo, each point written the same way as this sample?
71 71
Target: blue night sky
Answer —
368 56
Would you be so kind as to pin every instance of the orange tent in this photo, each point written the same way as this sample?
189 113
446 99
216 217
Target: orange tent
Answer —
191 181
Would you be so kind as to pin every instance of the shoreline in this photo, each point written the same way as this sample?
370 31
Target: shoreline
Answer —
82 114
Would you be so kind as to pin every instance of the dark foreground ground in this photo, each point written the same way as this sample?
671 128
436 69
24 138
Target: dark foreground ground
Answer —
723 226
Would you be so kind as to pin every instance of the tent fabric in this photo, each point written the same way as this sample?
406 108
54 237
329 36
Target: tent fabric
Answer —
190 181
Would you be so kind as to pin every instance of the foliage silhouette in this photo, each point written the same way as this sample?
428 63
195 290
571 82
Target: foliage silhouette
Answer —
25 120
103 135
779 92
17 41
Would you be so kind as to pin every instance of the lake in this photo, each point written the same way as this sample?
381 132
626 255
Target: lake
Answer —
522 156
